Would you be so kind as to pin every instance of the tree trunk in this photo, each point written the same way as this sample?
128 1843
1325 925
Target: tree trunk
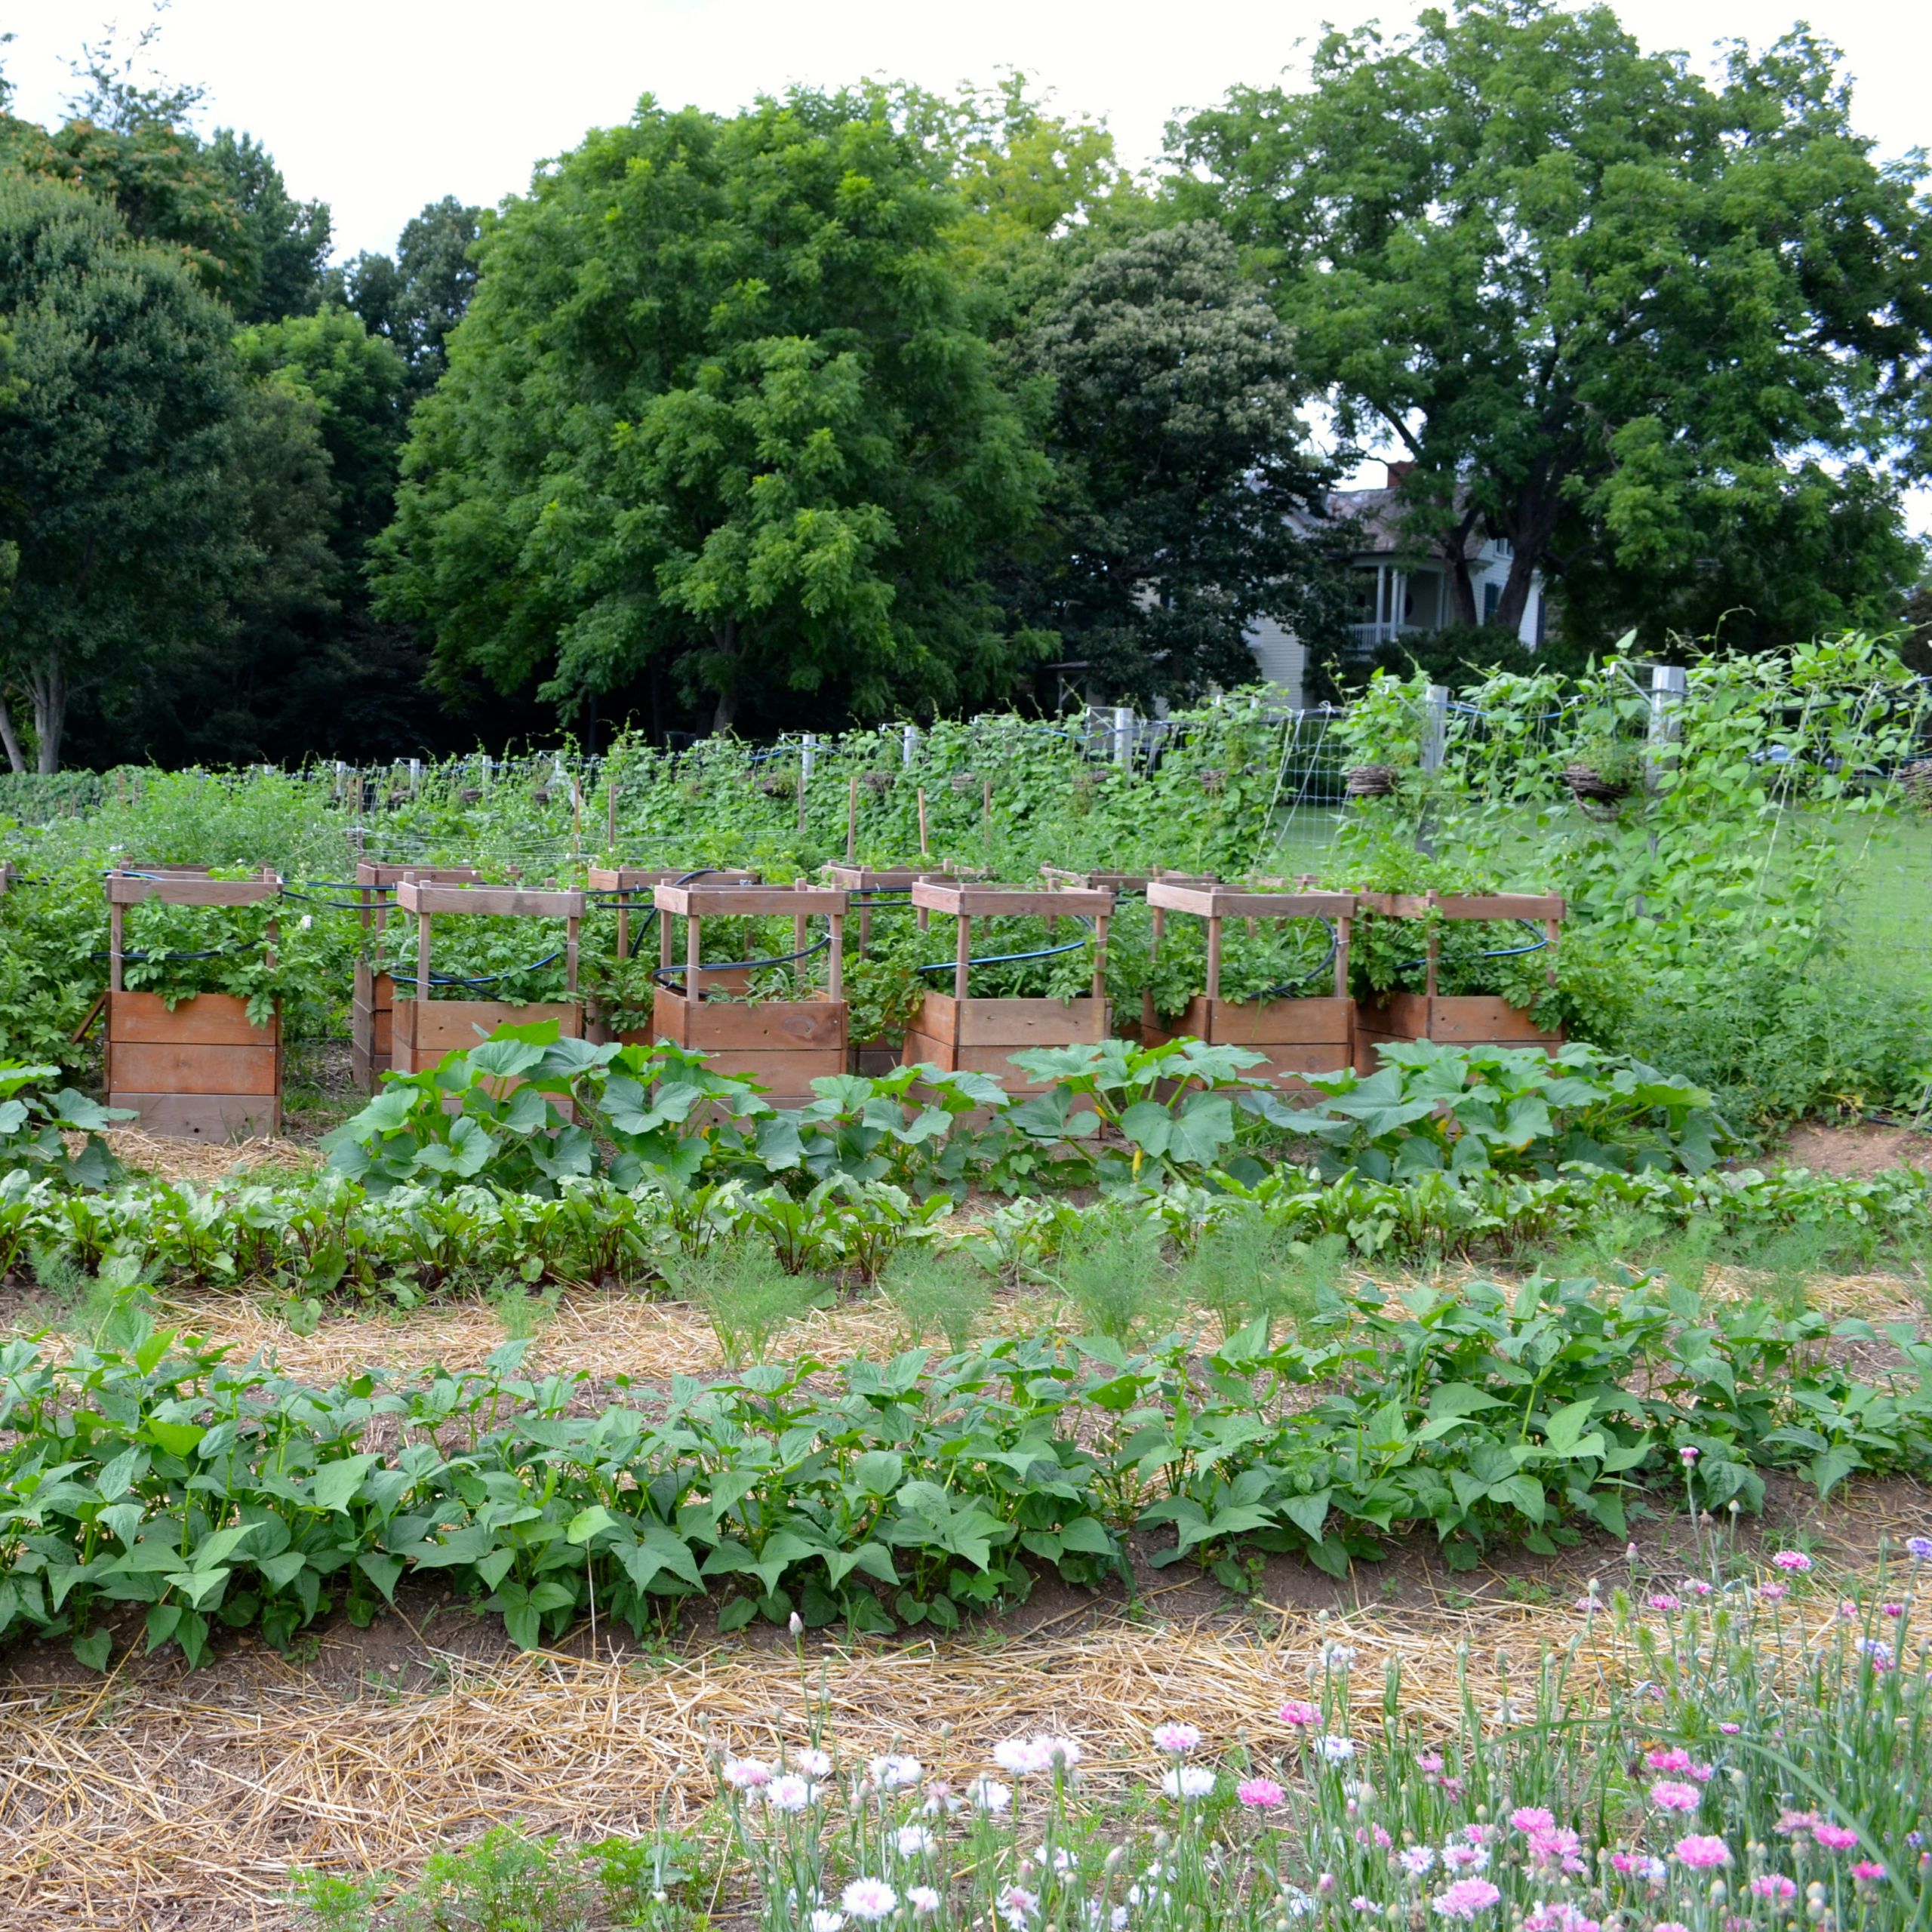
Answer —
1454 549
16 758
1529 534
1515 598
724 643
48 686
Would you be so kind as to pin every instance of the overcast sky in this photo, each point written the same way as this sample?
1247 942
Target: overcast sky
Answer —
377 106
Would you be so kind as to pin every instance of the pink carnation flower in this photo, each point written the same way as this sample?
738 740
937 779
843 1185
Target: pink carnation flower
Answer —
1773 1885
1703 1853
1867 1871
1298 1714
1834 1837
1670 1794
1532 1818
1259 1794
1465 1899
1791 1559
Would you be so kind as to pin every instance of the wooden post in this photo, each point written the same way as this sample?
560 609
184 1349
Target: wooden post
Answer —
1100 956
692 953
1344 938
962 955
1148 1016
116 928
852 819
569 954
1435 947
421 963
665 953
799 935
1214 988
922 822
835 978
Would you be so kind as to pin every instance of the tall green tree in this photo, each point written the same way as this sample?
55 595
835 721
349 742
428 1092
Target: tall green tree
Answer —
1182 498
115 441
718 407
284 242
413 300
1622 317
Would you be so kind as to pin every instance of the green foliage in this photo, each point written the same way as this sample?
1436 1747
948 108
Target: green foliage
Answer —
1517 1110
1181 492
784 498
506 1881
148 1469
746 1295
1617 313
32 1124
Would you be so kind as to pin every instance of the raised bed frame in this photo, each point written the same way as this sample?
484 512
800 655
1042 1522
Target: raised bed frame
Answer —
422 1030
623 883
1297 1036
1463 1019
371 1013
958 1033
783 1043
201 1071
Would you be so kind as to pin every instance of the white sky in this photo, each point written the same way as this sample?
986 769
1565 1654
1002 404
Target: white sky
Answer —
377 106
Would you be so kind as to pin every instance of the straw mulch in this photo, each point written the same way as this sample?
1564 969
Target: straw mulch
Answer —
164 1157
189 1803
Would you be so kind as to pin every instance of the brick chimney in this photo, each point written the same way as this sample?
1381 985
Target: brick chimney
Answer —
1398 472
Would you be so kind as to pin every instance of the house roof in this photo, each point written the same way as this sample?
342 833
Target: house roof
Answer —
1376 516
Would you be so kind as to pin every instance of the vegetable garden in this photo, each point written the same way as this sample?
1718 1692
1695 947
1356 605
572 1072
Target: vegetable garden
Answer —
1058 1166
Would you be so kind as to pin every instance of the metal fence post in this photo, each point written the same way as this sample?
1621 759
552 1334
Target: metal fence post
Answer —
1123 734
908 744
1435 749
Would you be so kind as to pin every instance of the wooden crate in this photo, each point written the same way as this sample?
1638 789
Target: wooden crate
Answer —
374 996
423 1029
783 1045
1465 1019
202 1072
1295 1036
982 1035
958 1033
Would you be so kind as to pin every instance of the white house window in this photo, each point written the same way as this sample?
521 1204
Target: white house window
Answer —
1492 595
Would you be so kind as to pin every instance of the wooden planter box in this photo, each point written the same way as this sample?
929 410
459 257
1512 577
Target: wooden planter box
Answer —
1465 1020
422 1030
369 1010
783 1045
958 1033
622 883
982 1035
201 1071
1295 1036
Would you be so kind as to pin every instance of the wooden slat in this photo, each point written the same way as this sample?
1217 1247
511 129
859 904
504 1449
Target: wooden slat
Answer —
1481 1020
1231 902
1263 1023
754 902
1464 905
717 1026
218 1117
449 1026
1001 901
370 871
638 878
184 1069
1017 1023
784 1073
497 901
123 890
219 1020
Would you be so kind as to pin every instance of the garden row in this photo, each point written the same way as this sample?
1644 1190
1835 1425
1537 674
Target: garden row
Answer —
208 1062
147 1470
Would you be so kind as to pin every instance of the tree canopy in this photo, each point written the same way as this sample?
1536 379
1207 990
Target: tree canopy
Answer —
1633 322
717 410
1182 501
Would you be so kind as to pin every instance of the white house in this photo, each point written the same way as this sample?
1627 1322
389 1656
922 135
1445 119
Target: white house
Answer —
1397 588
